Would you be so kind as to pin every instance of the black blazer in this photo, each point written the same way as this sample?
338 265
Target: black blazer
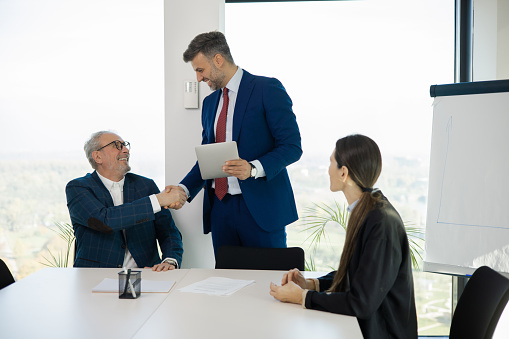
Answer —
381 291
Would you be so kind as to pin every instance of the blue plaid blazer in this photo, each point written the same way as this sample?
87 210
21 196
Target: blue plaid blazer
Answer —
98 224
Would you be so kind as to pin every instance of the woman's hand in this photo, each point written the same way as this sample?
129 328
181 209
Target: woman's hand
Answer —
296 276
289 293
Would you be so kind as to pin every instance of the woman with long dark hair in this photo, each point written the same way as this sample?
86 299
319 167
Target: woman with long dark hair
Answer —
374 278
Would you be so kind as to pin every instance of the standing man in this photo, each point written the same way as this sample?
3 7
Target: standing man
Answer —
117 216
255 203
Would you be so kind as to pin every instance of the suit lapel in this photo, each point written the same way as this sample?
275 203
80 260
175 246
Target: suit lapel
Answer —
105 195
210 117
245 89
102 192
129 191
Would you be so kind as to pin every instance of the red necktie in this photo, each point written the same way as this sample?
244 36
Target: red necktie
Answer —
222 183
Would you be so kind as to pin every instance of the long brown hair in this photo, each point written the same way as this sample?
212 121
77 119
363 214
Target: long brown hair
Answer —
362 157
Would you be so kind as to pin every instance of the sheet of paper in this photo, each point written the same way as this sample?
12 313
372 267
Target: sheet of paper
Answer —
217 286
147 286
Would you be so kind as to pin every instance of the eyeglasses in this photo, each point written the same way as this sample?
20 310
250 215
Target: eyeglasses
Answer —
118 144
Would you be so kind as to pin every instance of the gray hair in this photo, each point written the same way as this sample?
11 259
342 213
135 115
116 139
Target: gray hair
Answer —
92 145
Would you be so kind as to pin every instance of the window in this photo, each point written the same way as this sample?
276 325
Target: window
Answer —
357 67
70 68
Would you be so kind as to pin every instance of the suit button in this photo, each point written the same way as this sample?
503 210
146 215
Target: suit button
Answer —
123 246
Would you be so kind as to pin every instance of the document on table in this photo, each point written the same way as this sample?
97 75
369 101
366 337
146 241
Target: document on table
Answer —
147 286
217 286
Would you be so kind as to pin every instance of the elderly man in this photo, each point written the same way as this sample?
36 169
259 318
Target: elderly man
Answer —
118 216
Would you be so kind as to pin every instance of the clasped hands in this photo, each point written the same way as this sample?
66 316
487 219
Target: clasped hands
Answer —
175 197
292 286
172 197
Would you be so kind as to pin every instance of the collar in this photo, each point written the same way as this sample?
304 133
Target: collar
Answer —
110 183
234 83
352 206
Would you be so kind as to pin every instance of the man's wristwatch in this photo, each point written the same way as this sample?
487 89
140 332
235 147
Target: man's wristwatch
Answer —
254 171
171 262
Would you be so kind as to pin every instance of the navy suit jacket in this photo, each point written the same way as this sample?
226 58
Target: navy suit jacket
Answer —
265 129
98 224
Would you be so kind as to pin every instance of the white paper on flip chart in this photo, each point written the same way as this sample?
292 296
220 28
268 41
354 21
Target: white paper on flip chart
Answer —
147 286
217 286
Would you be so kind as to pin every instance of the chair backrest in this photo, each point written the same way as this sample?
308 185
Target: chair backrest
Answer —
480 305
257 258
6 277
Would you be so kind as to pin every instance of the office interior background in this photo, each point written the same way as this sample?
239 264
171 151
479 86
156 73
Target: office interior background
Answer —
68 69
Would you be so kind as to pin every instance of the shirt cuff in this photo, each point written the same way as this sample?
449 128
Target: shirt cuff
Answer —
304 293
171 261
155 203
185 190
260 172
317 284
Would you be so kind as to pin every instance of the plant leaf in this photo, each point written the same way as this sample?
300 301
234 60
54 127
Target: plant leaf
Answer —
66 233
317 217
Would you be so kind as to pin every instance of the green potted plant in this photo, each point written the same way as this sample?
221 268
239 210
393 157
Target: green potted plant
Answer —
65 232
317 217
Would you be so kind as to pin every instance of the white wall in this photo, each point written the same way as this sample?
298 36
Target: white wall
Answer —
183 20
491 40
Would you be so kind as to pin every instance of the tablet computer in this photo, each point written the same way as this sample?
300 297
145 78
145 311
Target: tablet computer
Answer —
211 158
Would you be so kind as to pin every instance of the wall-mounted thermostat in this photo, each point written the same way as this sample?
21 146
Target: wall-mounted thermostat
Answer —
190 94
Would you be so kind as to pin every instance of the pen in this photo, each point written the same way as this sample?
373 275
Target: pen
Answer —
128 281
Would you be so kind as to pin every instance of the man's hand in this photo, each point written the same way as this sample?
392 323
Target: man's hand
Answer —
239 168
163 267
172 197
179 204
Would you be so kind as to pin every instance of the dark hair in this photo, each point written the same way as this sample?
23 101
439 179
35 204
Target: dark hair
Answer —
361 156
209 44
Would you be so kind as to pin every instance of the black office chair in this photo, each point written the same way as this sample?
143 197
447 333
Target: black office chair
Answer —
6 277
480 305
257 258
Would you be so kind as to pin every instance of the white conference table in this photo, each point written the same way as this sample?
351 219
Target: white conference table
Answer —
59 303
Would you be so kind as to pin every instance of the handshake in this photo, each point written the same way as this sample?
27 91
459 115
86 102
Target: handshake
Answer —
172 197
